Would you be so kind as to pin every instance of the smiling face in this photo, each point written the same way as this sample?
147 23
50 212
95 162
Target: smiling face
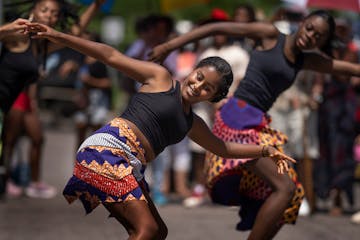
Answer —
46 12
201 85
313 33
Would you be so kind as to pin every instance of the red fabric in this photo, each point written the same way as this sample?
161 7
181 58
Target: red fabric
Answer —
22 102
219 14
352 5
353 47
357 115
118 187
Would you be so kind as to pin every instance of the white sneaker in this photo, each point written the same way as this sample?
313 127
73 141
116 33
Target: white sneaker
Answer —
355 218
40 190
197 198
193 201
304 208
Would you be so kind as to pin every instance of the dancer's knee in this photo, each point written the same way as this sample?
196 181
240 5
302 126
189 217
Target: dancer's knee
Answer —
37 141
286 187
151 230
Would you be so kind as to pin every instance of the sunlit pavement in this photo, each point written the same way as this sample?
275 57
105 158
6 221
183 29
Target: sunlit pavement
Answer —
26 218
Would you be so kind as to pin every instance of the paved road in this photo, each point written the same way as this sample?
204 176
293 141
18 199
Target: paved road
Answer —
31 219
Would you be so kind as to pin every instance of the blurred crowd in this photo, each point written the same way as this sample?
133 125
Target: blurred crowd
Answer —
320 113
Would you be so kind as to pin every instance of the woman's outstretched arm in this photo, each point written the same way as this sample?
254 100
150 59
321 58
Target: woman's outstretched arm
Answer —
256 30
324 64
141 71
201 134
86 17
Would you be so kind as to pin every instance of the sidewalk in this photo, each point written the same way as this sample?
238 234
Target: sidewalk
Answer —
54 219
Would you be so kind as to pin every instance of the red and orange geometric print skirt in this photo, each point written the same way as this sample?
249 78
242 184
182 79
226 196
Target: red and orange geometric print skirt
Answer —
228 180
109 167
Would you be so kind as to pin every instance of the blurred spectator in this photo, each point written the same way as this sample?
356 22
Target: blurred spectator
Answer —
286 18
355 218
244 13
336 166
152 30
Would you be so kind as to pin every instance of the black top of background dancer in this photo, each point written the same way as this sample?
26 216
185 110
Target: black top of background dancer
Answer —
17 70
268 74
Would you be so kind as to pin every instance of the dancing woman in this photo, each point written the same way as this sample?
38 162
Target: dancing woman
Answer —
110 163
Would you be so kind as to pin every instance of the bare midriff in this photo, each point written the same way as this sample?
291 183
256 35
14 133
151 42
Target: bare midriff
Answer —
149 152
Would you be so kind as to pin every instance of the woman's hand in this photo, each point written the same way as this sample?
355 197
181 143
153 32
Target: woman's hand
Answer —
280 158
159 53
17 26
39 30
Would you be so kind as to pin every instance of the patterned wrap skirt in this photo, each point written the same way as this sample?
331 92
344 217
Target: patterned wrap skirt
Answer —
109 167
228 180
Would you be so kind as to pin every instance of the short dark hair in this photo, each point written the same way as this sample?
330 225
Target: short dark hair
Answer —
152 20
250 10
222 67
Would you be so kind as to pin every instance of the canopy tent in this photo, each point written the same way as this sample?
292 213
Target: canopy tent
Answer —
344 5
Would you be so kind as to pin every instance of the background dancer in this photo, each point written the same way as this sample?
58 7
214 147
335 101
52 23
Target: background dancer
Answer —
254 184
20 62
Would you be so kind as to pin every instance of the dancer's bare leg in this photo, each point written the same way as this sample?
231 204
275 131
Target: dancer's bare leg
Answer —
266 222
141 219
14 122
35 133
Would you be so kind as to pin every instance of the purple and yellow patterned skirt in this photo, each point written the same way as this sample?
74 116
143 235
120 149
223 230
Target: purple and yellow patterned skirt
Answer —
228 180
109 167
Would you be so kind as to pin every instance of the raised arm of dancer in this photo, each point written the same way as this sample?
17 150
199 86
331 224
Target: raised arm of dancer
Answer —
322 63
201 134
10 28
142 71
86 17
256 30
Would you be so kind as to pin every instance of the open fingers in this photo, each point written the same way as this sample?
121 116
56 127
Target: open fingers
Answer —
281 167
21 22
36 27
286 166
286 157
290 159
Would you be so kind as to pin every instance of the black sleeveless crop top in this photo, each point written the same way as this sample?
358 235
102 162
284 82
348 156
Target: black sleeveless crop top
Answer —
160 117
268 74
17 70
